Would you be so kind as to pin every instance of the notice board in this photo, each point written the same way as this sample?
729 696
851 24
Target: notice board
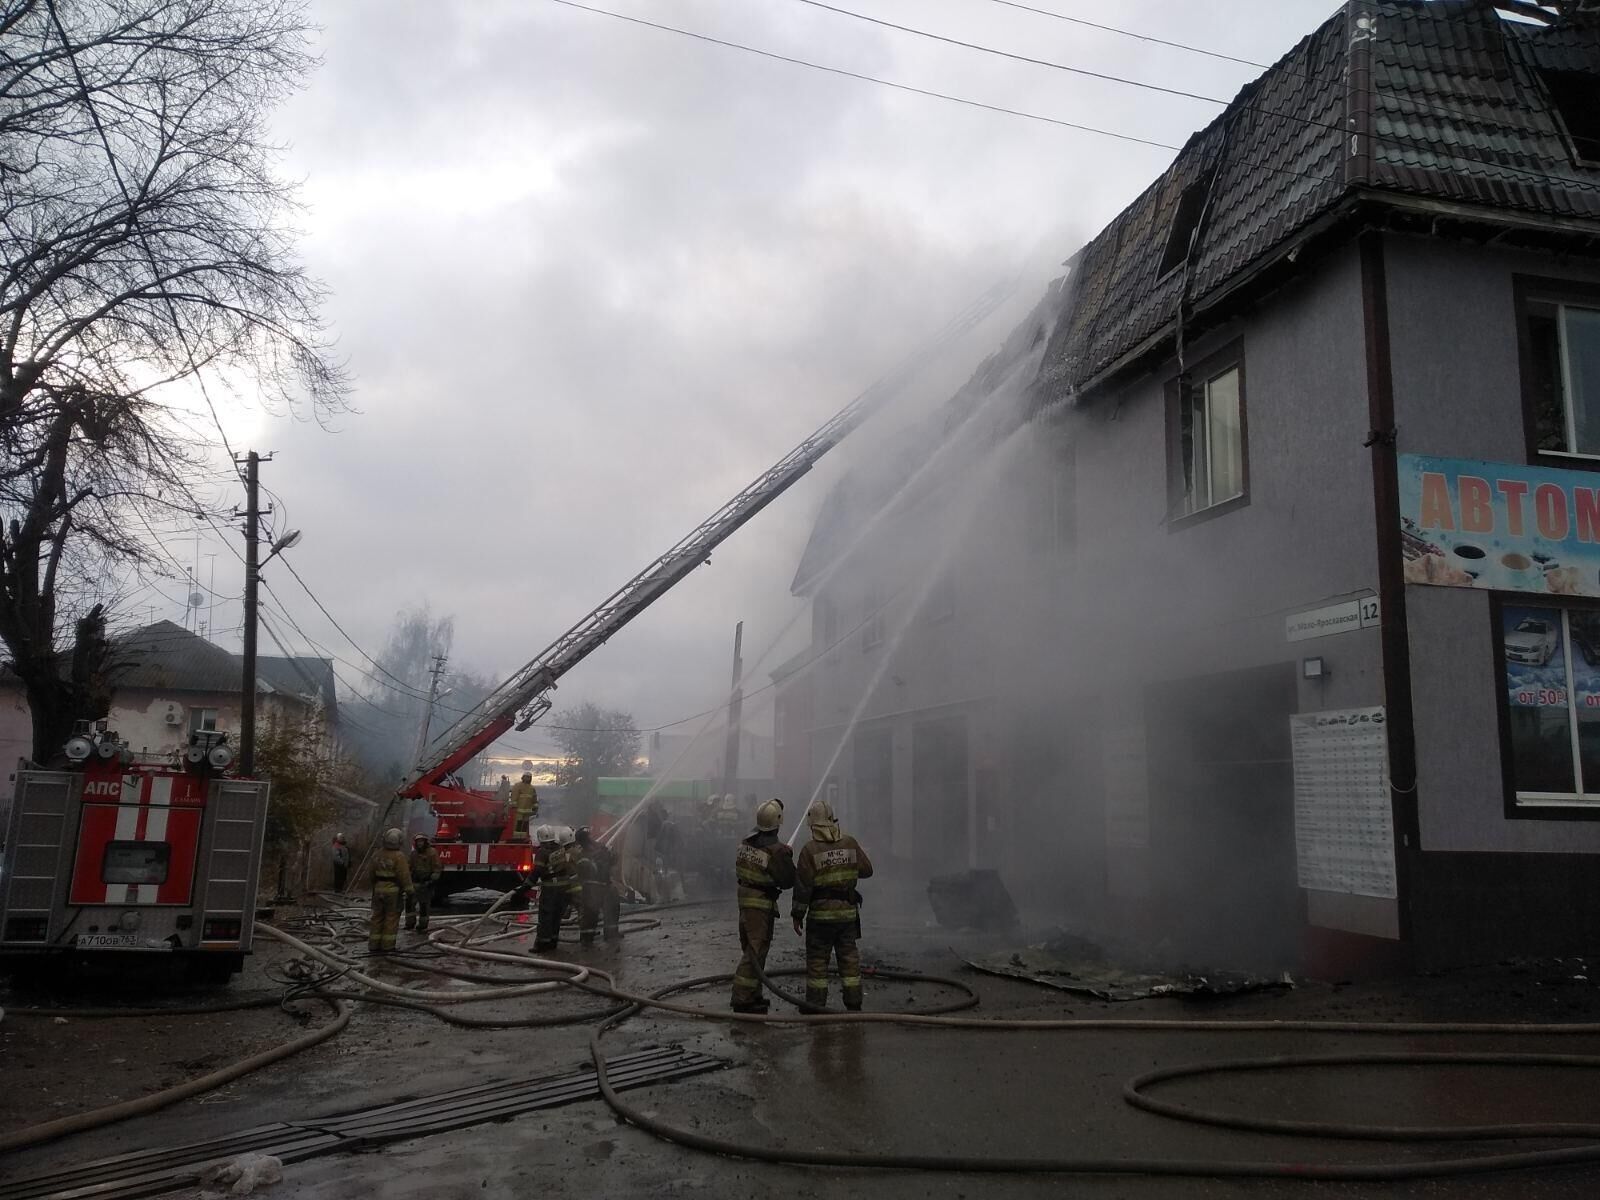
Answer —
1343 829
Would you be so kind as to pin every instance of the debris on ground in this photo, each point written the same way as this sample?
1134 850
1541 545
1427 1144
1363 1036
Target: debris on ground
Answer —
972 900
243 1175
1072 964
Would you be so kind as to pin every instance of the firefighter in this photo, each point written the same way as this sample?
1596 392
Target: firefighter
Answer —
553 868
598 902
341 862
764 866
426 870
826 906
391 881
525 800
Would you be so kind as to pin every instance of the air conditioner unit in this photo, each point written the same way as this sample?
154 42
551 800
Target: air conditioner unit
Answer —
174 715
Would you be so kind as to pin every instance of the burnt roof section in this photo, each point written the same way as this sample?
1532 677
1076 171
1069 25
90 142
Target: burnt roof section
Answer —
1455 109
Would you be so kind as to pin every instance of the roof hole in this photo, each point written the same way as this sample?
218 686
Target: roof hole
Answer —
1575 96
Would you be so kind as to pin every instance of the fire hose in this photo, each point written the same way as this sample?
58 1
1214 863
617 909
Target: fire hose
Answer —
625 1004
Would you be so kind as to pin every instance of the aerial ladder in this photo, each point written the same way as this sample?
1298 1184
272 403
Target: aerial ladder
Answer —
475 834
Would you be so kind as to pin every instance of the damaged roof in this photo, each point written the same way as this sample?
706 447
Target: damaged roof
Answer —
1436 100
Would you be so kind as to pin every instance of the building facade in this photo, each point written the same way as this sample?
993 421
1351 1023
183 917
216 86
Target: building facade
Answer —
170 682
1270 636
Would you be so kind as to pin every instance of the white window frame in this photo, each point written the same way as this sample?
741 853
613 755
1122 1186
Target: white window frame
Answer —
1568 417
1580 798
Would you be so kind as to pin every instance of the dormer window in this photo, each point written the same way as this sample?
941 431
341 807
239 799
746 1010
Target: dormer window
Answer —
1575 97
1184 222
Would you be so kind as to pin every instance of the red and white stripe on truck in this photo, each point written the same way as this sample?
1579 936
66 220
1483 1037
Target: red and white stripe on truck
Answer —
138 839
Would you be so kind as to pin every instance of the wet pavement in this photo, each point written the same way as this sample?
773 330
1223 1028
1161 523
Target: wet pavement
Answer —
877 1088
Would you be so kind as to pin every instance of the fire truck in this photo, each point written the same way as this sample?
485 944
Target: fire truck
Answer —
116 860
476 837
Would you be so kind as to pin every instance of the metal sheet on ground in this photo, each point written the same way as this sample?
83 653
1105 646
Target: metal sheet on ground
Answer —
1107 981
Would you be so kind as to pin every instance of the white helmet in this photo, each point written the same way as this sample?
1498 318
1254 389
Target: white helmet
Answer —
392 839
769 815
567 836
545 835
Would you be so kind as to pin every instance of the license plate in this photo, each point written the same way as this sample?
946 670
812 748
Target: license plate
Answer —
110 941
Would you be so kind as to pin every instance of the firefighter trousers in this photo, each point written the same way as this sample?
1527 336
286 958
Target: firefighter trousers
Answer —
384 924
755 939
553 902
835 939
417 905
599 906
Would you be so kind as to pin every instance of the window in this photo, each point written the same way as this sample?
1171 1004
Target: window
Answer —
202 720
1206 438
1551 703
1184 220
872 619
1047 516
1575 97
135 862
827 617
1561 371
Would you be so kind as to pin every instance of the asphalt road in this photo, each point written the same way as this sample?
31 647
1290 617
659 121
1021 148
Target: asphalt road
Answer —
868 1088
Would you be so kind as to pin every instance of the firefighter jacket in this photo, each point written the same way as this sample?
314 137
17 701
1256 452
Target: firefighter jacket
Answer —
389 869
825 876
596 865
764 866
425 866
556 868
525 798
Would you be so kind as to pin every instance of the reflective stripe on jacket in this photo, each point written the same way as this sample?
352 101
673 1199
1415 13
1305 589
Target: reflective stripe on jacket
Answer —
389 869
825 876
764 866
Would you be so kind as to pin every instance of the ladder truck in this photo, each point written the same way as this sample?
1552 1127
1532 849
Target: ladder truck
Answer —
476 836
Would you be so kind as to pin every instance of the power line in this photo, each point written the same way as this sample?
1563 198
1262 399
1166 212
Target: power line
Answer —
1143 37
1022 58
889 83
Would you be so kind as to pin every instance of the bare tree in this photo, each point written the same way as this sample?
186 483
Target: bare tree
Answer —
146 260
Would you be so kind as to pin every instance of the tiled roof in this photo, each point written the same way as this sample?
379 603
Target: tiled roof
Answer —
167 656
1456 112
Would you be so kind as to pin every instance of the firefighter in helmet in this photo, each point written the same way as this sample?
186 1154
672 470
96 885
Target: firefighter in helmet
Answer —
391 882
524 800
764 866
426 870
825 909
598 901
554 870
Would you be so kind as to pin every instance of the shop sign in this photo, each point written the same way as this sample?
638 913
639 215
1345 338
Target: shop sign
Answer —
1466 523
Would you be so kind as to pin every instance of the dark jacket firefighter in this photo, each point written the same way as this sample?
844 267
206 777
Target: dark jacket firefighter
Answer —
598 902
391 882
826 905
426 870
555 870
764 869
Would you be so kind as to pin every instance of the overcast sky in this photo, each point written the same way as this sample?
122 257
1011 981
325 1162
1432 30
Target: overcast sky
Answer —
592 278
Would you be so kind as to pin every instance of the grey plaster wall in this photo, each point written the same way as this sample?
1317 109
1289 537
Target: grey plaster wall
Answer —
1458 395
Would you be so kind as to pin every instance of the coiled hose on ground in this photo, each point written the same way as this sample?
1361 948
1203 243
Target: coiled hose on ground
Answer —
452 939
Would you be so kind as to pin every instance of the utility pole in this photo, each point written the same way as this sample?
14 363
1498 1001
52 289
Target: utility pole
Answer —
730 756
433 698
253 562
252 578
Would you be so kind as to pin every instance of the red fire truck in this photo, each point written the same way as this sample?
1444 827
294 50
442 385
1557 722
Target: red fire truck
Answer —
116 859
